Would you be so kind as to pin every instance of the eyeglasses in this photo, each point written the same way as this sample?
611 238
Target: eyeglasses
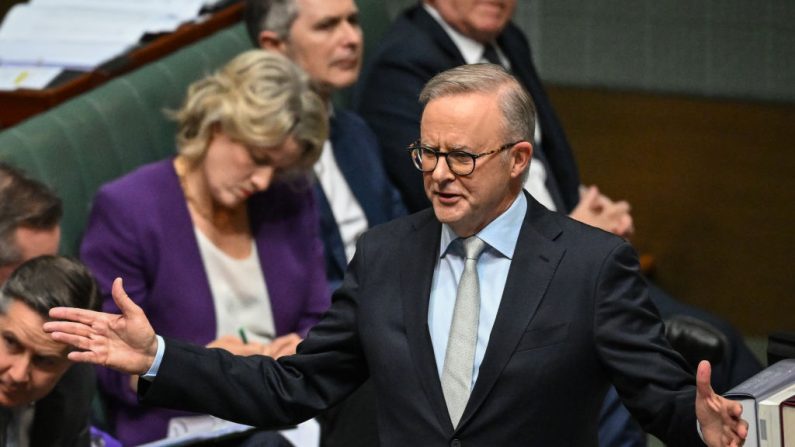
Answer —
460 162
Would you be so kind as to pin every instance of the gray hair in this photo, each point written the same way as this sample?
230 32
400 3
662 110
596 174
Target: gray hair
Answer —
45 282
518 110
24 202
271 15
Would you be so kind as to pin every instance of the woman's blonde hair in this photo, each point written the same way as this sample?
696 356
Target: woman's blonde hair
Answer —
259 98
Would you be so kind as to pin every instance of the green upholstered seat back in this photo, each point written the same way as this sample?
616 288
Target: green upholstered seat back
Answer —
107 132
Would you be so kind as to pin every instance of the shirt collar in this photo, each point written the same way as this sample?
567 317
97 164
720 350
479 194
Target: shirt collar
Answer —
500 234
470 49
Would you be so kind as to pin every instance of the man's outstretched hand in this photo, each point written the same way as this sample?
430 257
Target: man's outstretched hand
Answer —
721 424
123 342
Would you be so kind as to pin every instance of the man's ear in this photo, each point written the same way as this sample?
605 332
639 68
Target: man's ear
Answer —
269 40
521 154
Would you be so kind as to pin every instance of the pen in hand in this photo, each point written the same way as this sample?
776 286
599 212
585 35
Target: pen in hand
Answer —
243 337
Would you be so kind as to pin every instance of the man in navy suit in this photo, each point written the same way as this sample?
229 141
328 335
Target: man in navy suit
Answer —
354 193
486 320
353 190
440 34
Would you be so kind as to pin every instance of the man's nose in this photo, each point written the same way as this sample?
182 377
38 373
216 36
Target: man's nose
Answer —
442 170
351 34
19 372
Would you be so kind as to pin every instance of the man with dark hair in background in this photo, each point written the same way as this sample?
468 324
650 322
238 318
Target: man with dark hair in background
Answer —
30 214
45 401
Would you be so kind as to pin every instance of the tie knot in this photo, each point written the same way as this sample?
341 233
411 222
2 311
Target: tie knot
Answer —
473 247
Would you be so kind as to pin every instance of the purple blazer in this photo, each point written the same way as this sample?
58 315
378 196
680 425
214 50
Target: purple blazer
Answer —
140 229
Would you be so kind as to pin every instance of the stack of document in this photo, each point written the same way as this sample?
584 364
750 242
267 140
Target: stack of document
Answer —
41 38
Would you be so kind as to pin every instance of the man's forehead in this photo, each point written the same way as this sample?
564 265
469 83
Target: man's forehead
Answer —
461 121
320 9
25 325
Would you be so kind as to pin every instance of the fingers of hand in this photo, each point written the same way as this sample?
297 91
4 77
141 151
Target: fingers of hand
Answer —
80 342
267 350
74 314
120 297
68 327
703 386
82 356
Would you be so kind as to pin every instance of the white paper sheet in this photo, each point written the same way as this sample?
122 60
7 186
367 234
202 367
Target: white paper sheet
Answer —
26 76
81 56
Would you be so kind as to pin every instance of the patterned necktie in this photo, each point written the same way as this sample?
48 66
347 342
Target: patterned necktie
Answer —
459 359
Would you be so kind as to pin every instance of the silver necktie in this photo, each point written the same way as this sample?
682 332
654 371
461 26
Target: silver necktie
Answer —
459 359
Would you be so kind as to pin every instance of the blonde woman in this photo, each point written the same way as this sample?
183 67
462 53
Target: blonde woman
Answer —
219 245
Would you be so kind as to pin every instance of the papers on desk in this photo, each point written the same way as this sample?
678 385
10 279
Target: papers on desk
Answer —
188 430
82 34
26 76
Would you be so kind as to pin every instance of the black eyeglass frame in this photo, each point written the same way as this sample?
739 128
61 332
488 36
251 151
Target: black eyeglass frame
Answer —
417 159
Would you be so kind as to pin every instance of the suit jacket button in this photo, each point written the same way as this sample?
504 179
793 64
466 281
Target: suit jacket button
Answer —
455 443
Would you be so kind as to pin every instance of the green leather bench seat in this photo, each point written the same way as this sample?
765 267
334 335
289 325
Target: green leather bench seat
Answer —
100 135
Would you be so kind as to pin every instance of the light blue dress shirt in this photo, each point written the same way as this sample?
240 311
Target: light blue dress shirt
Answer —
500 236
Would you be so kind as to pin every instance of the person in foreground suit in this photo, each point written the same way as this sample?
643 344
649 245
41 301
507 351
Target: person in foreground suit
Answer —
44 400
440 34
323 37
520 351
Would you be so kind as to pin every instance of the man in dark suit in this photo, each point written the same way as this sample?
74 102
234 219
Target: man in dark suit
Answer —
486 320
354 193
440 34
44 399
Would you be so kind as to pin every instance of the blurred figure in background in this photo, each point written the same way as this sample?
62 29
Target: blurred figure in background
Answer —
323 37
30 214
353 190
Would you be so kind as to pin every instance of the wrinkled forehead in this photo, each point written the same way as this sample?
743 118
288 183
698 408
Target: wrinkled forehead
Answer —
469 118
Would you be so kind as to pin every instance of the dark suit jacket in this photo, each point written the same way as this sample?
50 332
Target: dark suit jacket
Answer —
414 50
62 417
574 317
358 156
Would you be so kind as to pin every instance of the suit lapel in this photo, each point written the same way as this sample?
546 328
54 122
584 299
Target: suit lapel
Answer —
424 21
415 278
534 263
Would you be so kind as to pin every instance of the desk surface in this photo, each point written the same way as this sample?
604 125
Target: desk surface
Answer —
18 105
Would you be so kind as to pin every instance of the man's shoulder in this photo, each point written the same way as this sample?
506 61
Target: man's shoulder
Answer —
401 227
348 122
412 36
570 233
